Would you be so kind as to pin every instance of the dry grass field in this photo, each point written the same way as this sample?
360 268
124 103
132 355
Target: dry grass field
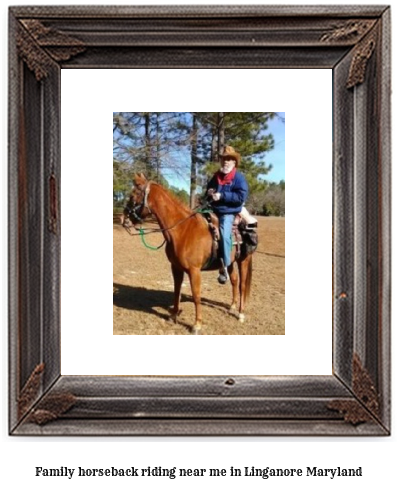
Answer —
143 289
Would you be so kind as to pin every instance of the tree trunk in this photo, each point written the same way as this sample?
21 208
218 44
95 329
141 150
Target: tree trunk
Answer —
158 148
215 143
194 157
221 132
147 151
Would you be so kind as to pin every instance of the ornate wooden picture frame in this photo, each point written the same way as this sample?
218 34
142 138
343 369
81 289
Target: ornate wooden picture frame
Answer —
353 41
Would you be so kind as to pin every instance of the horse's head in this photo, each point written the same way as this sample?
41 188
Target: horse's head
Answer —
137 209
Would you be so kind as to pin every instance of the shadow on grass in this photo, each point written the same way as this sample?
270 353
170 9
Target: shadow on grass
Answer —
147 300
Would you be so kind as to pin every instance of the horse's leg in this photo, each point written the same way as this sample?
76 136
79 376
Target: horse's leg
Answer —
195 281
244 268
234 282
178 280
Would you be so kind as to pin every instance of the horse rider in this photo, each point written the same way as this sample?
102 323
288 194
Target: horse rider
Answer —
227 191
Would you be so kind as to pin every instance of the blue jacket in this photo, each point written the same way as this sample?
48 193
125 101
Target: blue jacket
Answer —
233 195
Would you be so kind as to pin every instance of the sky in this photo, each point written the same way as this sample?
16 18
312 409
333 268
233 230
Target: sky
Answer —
276 157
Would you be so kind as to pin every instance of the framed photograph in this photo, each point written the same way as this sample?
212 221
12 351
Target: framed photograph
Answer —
174 160
49 194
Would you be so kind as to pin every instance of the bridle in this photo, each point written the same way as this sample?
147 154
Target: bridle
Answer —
136 209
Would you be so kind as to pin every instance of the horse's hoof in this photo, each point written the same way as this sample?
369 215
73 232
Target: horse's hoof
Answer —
196 330
241 318
172 318
173 315
233 309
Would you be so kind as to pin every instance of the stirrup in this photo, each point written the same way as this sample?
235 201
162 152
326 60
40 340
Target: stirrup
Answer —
223 276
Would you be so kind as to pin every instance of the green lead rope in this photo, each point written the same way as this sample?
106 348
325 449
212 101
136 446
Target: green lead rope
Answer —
156 248
152 248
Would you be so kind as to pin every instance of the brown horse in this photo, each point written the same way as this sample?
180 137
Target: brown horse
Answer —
188 244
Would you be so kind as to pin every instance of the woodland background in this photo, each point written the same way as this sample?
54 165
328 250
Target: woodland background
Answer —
168 147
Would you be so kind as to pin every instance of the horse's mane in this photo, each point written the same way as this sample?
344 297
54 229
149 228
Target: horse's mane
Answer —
173 197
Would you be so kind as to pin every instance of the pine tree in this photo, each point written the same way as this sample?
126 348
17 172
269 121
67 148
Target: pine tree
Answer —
150 142
247 133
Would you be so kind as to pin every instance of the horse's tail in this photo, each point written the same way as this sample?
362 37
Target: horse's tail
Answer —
248 279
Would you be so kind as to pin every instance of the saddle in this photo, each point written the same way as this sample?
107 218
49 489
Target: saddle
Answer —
244 236
244 233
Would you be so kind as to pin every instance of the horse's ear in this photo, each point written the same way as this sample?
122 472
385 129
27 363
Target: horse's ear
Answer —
139 179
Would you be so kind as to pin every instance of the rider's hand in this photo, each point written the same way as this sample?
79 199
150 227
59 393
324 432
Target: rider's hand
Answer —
216 197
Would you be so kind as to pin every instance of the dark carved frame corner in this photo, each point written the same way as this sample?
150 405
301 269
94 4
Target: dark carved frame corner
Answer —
352 41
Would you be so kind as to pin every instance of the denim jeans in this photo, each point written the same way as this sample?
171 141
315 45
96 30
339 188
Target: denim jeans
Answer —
226 226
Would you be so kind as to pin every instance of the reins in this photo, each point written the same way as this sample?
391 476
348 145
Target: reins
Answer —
152 231
142 232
